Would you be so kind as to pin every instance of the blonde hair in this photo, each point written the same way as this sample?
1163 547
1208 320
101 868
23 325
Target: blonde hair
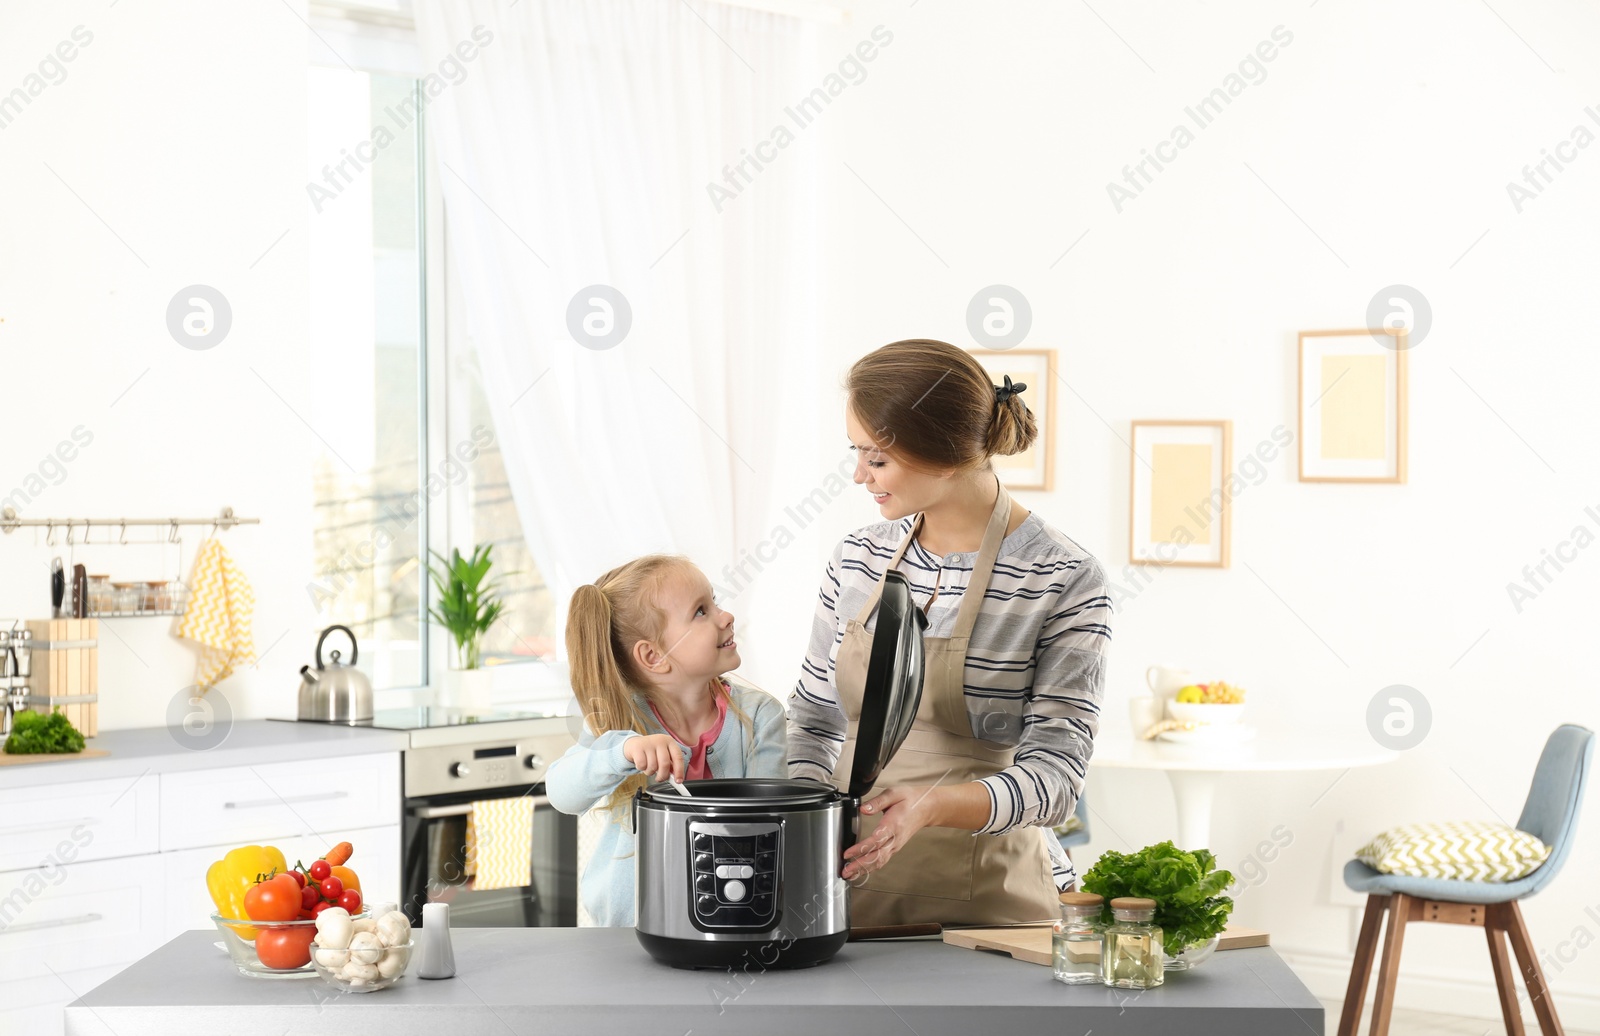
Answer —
933 405
605 620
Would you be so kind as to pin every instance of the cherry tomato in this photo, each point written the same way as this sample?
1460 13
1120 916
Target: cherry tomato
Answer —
285 948
350 899
276 899
310 896
320 907
299 878
320 869
306 915
332 888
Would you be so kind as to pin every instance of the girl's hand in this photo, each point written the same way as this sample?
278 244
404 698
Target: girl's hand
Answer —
655 754
904 812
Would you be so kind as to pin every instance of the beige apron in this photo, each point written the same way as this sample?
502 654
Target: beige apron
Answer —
943 874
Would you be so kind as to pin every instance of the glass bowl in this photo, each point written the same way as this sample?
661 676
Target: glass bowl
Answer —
332 966
1192 955
242 940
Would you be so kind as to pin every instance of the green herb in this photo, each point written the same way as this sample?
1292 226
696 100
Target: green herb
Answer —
1187 888
34 732
467 606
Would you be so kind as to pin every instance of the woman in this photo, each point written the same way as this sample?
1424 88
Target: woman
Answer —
1019 620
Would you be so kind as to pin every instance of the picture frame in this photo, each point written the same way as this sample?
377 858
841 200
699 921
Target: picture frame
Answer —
1180 514
1033 468
1351 402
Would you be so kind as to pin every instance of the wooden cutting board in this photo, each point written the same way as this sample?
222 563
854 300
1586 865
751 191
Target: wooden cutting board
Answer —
1033 944
6 759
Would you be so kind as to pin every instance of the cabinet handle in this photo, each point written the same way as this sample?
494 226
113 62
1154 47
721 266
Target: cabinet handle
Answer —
286 800
52 825
60 922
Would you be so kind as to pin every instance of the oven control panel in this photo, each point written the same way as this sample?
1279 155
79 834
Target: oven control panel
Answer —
734 872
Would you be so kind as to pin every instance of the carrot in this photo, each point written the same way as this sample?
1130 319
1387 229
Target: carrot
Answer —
339 854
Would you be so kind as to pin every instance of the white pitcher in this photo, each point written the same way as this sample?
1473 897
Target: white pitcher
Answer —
1165 681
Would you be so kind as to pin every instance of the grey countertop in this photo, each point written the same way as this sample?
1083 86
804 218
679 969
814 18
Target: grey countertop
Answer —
160 750
593 981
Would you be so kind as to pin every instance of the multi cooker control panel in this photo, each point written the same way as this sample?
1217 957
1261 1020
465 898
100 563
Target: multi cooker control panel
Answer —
734 870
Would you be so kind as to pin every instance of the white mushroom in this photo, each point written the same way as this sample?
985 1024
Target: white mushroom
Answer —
364 923
393 963
393 929
333 960
334 928
365 948
358 974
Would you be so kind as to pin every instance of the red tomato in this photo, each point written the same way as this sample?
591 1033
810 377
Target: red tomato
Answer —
299 878
332 888
310 896
320 869
320 907
285 948
306 915
276 899
350 899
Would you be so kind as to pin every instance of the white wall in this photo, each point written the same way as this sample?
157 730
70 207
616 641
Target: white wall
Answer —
180 130
1391 130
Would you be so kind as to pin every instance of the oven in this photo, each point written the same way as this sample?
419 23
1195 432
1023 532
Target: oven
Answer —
446 770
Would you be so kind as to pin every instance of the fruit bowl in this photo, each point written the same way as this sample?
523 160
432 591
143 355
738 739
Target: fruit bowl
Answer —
284 939
1198 712
389 965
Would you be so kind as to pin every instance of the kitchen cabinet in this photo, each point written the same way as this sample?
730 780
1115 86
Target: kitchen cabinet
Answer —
95 874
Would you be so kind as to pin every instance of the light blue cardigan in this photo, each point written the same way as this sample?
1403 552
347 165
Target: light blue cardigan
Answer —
586 775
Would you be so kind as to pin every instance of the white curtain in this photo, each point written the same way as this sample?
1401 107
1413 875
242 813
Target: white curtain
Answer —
575 150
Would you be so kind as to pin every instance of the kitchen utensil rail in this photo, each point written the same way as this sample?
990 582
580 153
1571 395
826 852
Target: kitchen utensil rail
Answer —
225 519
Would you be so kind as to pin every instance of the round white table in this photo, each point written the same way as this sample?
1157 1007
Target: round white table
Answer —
1193 769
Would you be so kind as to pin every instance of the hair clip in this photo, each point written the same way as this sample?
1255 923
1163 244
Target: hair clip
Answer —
1006 391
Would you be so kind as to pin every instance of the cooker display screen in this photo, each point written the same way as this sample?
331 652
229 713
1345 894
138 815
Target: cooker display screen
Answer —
736 848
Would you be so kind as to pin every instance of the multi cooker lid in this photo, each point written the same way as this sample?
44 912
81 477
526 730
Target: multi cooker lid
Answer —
893 688
740 794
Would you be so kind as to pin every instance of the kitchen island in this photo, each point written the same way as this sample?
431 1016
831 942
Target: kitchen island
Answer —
594 981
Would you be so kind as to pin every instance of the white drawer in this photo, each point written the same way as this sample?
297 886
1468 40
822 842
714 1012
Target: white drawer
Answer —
35 1006
376 861
243 805
85 915
82 820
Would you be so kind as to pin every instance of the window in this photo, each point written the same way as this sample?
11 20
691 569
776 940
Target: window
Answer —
366 394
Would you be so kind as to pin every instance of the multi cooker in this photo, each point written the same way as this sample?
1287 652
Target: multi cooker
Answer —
745 872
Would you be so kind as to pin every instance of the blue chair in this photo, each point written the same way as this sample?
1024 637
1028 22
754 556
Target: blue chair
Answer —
1550 814
1081 835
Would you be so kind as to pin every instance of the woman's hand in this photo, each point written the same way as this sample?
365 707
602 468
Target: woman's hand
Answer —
655 754
903 812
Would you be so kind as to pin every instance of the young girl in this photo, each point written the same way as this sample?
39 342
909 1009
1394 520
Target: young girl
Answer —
648 647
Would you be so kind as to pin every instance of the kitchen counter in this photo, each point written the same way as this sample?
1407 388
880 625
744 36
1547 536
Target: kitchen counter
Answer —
135 753
550 981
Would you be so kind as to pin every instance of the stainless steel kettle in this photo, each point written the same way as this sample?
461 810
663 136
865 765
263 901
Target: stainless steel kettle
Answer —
335 692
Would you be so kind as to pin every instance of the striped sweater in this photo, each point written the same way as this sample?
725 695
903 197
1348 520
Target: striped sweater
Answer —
1035 670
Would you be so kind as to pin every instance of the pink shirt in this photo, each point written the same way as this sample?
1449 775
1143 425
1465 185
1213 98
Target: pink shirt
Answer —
699 764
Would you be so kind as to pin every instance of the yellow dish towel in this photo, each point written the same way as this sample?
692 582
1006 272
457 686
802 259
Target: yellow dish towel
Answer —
221 604
500 843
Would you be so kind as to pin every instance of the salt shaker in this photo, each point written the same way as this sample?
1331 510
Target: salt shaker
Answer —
438 957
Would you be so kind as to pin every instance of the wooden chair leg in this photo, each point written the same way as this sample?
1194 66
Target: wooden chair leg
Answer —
1355 995
1503 981
1389 969
1532 975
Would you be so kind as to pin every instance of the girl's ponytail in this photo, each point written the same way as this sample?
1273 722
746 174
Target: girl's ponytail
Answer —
605 619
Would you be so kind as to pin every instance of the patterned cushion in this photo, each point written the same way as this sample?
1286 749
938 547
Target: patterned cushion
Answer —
1466 850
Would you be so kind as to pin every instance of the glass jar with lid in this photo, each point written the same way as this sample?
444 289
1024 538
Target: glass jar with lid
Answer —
1132 956
1075 940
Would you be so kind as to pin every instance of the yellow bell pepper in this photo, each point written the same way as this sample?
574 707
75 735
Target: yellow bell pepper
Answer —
235 874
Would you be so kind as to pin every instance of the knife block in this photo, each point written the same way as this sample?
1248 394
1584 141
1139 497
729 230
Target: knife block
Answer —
65 671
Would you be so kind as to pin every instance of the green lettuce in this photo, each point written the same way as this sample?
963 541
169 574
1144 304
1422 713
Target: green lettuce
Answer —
34 732
1187 888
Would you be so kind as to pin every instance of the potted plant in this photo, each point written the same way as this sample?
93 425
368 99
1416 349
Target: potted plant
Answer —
467 604
1187 887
